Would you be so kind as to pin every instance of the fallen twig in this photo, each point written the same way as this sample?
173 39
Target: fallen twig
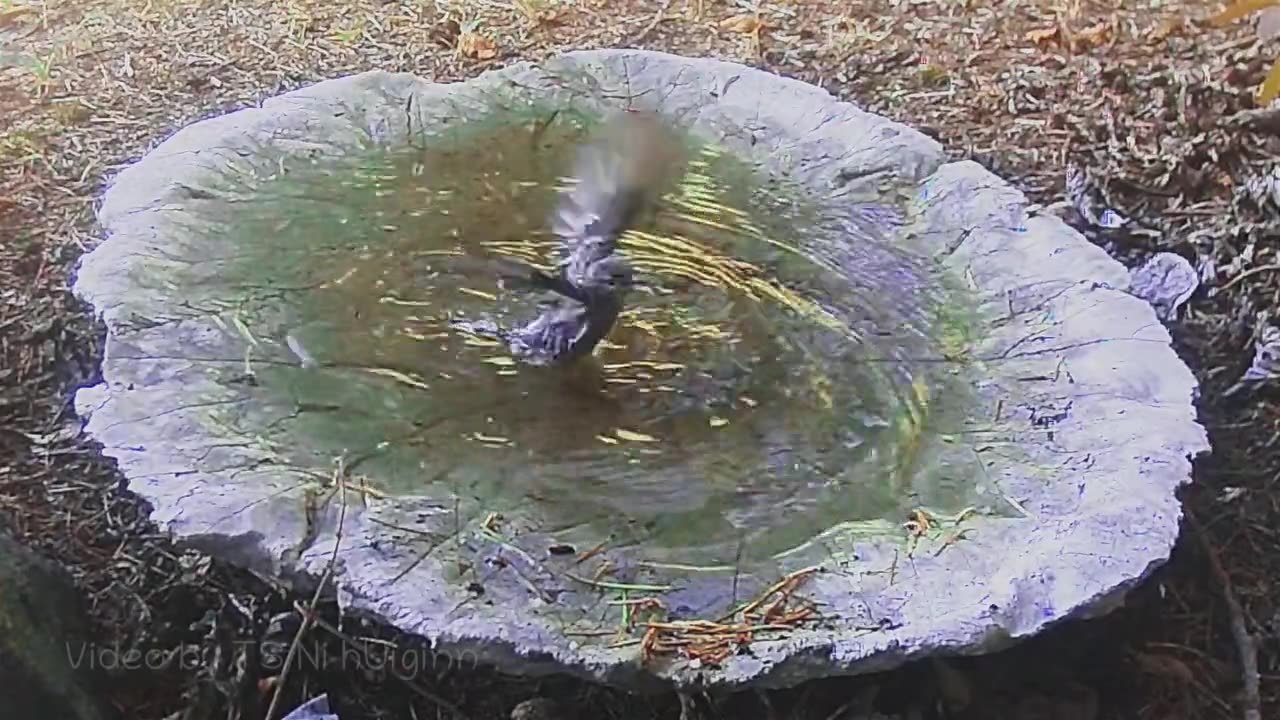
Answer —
711 641
309 616
1245 644
1248 274
1264 120
413 686
607 585
644 32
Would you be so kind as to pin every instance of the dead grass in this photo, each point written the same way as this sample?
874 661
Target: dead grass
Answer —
1135 92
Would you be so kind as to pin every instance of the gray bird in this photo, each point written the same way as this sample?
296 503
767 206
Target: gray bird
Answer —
617 176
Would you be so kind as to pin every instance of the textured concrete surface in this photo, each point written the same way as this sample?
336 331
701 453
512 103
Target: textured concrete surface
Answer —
1085 424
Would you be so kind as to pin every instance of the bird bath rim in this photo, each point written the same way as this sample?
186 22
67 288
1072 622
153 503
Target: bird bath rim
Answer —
1071 360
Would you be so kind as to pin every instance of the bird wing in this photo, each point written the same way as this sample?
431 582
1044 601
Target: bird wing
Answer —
615 176
526 276
552 334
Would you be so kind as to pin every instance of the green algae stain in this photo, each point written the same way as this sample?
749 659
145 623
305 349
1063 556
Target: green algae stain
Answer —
779 374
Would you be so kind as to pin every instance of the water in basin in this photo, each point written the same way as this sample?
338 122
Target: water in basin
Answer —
776 374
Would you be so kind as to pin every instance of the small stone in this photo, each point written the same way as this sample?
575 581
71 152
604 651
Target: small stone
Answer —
1166 281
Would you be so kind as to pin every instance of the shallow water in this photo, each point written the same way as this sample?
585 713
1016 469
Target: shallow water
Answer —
775 375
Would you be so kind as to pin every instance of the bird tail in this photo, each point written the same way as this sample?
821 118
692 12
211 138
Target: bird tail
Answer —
486 329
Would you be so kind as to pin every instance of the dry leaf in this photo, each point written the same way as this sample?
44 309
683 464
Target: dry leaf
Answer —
13 13
933 75
742 24
1169 28
537 12
1094 36
1242 8
1042 36
446 33
477 46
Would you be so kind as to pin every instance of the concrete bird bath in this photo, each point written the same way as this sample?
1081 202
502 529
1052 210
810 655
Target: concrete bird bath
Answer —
866 408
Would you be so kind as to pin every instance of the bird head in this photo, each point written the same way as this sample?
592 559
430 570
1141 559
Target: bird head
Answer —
610 274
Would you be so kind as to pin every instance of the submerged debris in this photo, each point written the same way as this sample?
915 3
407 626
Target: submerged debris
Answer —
305 358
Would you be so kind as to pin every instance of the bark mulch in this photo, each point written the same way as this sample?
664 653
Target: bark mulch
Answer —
1157 107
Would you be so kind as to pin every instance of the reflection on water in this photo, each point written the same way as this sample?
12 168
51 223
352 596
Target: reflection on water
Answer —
761 384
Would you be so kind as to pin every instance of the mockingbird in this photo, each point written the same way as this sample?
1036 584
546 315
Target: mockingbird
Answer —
616 177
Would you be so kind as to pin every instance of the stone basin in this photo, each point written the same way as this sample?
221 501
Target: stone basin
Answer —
868 408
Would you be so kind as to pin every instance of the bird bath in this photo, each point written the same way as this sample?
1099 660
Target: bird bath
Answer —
850 367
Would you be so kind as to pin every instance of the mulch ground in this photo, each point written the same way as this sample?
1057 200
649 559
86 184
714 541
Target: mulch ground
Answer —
1146 99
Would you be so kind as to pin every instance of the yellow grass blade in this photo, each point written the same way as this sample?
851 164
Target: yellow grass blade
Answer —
1271 86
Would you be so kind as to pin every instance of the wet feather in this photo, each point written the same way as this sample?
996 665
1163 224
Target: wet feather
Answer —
617 177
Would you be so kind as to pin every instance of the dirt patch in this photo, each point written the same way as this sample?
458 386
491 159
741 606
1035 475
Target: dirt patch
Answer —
1143 99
